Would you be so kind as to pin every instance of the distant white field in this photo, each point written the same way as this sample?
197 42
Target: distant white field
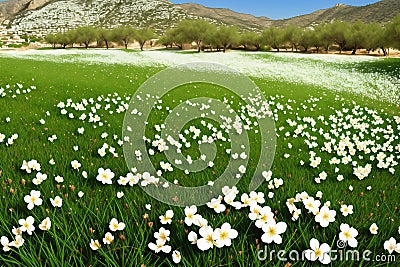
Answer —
333 72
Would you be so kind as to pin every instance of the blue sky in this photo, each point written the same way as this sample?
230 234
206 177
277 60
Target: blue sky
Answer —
276 9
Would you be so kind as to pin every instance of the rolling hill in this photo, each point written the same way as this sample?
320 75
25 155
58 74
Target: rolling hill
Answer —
382 12
45 16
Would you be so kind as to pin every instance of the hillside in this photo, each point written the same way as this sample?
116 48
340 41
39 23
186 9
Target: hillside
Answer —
56 15
9 9
382 12
227 16
44 16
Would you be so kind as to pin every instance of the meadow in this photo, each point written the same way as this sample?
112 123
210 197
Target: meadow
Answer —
337 123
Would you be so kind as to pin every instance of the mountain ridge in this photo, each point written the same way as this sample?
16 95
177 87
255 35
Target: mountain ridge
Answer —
53 15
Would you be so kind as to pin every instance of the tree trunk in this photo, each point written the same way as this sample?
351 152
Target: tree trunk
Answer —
141 46
384 51
198 42
354 51
106 43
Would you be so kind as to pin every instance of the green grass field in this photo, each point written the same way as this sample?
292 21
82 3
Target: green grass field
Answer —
375 198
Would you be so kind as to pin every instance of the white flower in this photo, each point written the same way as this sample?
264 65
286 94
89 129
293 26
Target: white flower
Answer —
318 252
162 235
33 199
254 212
224 235
391 245
80 194
59 179
40 177
167 218
27 225
267 175
192 237
105 176
312 205
348 235
56 202
242 169
207 238
246 200
373 229
257 197
75 164
265 215
272 232
17 242
108 238
346 210
159 246
5 243
116 226
325 216
94 244
148 206
176 256
120 194
45 224
190 215
216 204
16 231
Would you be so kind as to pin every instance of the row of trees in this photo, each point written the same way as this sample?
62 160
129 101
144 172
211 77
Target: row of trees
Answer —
341 35
103 37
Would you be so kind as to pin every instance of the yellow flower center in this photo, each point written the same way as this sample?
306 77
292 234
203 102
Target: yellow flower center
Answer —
163 236
347 235
271 231
210 239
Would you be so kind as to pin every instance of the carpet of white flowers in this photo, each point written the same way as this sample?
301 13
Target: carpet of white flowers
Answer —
347 143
